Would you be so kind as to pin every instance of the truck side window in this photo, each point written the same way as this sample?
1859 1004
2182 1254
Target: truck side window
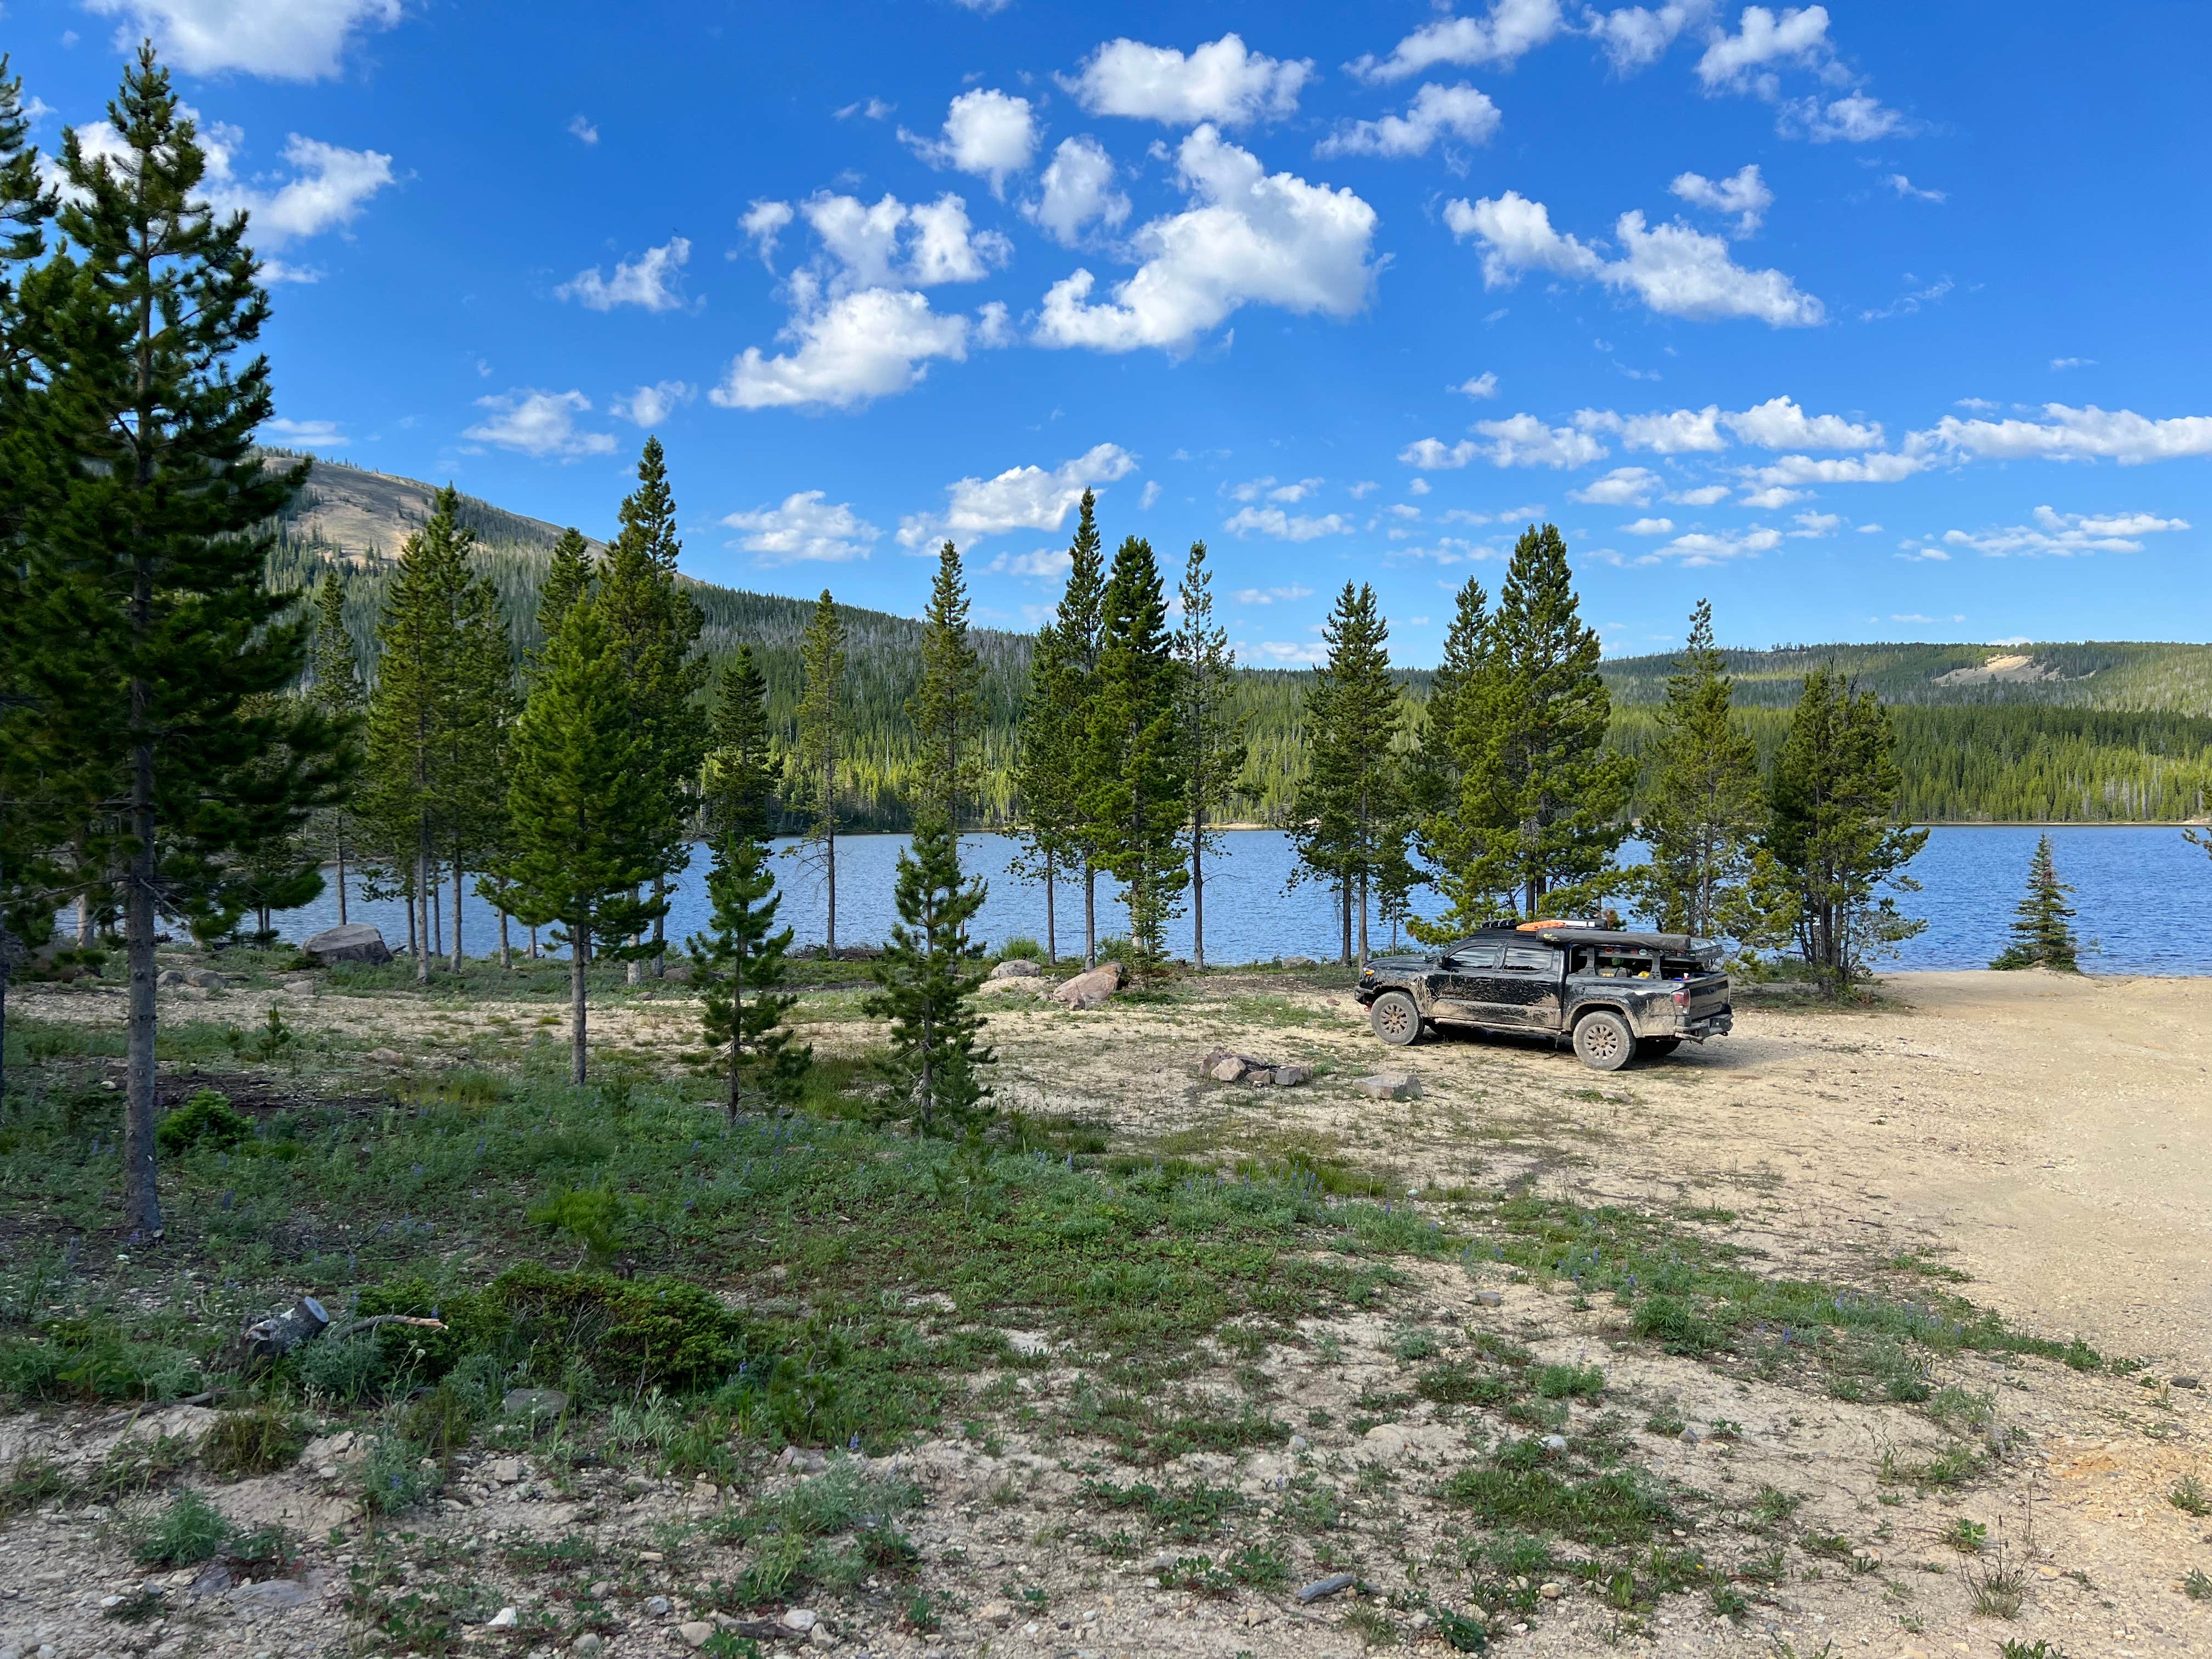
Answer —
1482 955
1519 959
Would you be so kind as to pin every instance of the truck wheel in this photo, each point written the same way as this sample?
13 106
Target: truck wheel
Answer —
1656 1047
1395 1020
1603 1042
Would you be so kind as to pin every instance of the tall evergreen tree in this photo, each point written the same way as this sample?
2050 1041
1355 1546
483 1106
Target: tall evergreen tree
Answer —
146 557
1541 797
1435 775
739 793
927 981
582 802
823 716
437 718
1210 735
335 685
2042 927
1048 769
1351 817
656 628
739 959
1708 874
1831 802
1133 803
569 574
947 707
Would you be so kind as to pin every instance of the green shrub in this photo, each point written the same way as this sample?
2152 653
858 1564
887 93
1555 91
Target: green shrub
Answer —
257 1440
597 1218
397 1475
189 1531
1518 1491
1673 1323
206 1120
346 1372
1021 948
73 1359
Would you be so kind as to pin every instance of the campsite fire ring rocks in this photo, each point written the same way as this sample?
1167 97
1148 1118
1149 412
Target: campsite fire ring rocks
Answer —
1224 1066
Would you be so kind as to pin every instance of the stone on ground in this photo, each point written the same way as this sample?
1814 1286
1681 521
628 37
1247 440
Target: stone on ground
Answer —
1016 968
1388 1085
353 941
1089 990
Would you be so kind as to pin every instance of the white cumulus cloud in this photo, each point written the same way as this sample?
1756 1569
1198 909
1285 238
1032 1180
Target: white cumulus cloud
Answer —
1798 36
1078 191
1272 521
539 424
764 223
649 405
2065 535
298 40
1624 486
1221 82
1649 528
805 527
1668 431
1701 548
648 282
326 189
1269 595
1859 118
846 351
988 133
1480 386
1703 495
1634 38
1249 237
1779 423
1790 471
1772 498
1043 563
1020 498
1434 455
1674 269
1744 194
1511 29
2077 435
1524 440
1436 112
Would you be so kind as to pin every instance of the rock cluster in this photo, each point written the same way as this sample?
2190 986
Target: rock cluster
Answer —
1224 1066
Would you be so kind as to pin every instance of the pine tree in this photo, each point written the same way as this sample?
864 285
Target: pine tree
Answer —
583 804
569 575
1540 798
146 556
1210 733
822 737
438 718
947 707
2042 927
1436 775
1133 803
739 961
739 793
335 685
926 980
1708 874
656 628
1055 764
1831 804
1350 816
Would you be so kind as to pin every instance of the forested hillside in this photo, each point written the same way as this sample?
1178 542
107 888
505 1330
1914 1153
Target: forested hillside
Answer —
2083 732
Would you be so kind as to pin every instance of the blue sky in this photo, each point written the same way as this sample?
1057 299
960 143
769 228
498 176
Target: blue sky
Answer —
1869 321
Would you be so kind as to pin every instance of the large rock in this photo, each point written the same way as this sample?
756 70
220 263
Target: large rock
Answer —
354 941
1016 967
1089 990
1299 961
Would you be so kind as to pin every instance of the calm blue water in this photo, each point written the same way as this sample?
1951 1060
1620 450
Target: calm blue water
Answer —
2144 897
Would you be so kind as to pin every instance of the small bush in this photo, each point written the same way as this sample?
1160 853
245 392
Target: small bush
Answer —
258 1440
188 1531
1676 1326
1021 948
1517 1490
206 1120
346 1372
2188 1495
398 1475
74 1359
1966 1536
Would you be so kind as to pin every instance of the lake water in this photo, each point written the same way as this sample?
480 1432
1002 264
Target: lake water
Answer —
2143 896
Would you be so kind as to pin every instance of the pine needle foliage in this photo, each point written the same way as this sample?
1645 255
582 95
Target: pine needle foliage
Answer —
160 649
926 980
1049 767
739 960
1134 799
947 708
1703 808
1436 777
2042 927
583 804
1832 801
1209 728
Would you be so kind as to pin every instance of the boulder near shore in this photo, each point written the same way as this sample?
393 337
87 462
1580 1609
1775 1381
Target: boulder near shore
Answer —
352 941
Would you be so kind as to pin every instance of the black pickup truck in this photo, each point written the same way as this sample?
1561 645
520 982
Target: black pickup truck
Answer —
1617 995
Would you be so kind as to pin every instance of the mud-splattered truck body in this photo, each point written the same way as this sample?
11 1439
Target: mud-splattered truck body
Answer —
1616 995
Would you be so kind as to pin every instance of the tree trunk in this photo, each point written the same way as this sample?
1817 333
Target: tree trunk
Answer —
1344 908
1089 914
342 882
1051 936
829 865
412 950
458 890
1363 921
422 902
533 941
659 934
580 946
142 1203
737 1025
437 911
84 921
633 969
506 953
1197 892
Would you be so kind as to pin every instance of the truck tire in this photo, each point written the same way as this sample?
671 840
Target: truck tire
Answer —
1395 1020
1603 1042
1656 1047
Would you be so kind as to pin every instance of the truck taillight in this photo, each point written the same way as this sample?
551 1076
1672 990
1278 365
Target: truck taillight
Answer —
1682 997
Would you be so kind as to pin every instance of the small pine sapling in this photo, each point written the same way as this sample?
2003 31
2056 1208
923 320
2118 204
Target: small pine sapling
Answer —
740 964
927 975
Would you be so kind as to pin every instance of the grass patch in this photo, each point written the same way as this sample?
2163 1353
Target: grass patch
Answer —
1521 1488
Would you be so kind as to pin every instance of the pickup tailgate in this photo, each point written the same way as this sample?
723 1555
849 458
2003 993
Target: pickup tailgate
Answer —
1708 996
